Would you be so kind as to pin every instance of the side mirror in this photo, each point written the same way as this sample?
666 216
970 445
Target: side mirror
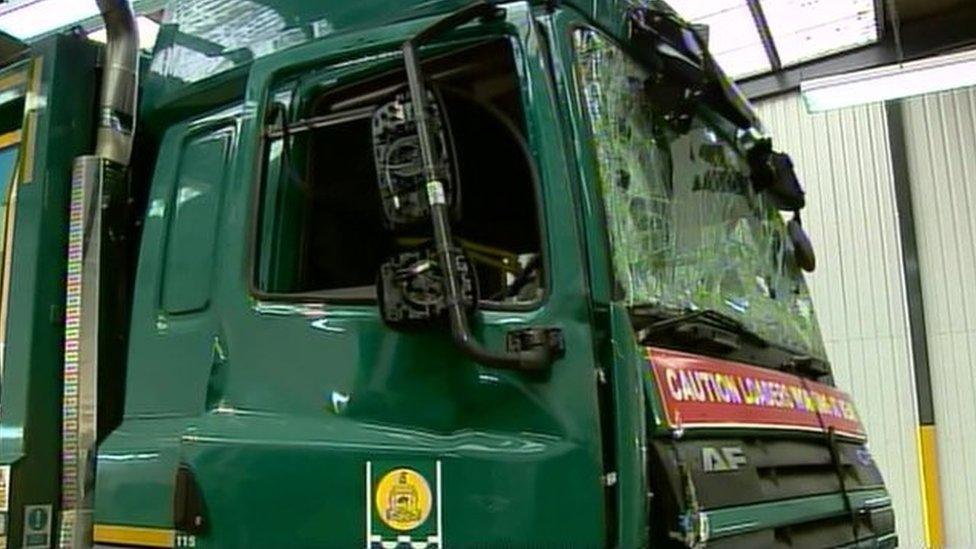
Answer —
803 252
412 285
399 160
772 173
411 288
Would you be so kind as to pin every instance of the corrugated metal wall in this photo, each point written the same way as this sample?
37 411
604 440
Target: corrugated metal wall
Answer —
941 146
844 161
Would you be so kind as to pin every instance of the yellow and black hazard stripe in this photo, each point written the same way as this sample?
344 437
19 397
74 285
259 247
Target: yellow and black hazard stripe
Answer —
134 536
928 457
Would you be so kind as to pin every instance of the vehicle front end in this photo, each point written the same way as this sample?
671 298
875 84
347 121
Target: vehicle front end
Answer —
749 443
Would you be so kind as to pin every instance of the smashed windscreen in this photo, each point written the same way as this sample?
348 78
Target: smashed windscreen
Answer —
687 230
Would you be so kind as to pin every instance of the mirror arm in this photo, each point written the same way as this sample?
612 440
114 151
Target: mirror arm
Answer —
532 359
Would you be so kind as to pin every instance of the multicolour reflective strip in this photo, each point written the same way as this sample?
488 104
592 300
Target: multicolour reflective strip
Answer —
70 447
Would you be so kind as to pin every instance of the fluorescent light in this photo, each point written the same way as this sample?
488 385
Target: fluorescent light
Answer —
29 18
928 75
693 10
148 30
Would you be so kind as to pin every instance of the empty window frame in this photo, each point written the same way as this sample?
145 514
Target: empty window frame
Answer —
322 231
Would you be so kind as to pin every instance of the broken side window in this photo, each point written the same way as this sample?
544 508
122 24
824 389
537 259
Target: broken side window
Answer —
323 232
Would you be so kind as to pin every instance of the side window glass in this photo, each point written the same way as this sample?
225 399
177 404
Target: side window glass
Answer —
9 153
8 165
323 231
191 243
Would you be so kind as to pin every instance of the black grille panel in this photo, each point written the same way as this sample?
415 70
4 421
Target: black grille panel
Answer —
773 469
832 532
753 470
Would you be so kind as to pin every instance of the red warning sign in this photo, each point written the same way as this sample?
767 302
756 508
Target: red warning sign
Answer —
705 392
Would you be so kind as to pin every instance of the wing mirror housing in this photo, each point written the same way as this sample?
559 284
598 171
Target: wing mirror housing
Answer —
411 284
417 175
803 252
773 174
411 288
399 162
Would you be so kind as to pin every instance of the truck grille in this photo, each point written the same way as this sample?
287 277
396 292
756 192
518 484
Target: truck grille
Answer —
732 472
831 532
770 469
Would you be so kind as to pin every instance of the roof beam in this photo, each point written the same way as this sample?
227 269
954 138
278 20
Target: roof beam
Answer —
759 18
920 38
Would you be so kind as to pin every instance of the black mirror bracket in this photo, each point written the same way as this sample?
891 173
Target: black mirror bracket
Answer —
535 358
773 174
531 359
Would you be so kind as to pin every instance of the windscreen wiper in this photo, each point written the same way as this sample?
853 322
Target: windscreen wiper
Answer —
705 327
711 330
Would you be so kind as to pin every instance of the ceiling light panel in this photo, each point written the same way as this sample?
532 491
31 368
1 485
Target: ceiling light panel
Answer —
25 19
808 29
732 35
932 74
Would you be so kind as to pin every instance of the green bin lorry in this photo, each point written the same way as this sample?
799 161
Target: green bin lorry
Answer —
413 273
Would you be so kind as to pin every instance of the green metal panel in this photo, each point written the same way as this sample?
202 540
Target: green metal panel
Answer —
192 230
739 520
296 398
194 45
170 354
30 395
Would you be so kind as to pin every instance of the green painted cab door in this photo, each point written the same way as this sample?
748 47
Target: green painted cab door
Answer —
307 422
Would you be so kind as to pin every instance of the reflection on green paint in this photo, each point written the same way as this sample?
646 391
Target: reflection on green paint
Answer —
687 229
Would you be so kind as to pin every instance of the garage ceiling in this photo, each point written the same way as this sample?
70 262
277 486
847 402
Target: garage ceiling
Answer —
910 10
754 40
755 37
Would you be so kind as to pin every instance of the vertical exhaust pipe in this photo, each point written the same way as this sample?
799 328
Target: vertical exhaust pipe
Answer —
96 237
117 101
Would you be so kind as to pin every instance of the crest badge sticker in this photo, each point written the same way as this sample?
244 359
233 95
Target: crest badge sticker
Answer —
403 505
403 499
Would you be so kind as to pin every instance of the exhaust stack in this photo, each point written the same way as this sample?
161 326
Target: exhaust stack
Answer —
94 299
117 101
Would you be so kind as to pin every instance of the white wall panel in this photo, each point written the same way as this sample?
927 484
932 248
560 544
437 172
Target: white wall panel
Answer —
844 161
941 145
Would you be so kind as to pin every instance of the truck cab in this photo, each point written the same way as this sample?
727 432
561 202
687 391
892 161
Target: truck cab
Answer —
426 274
